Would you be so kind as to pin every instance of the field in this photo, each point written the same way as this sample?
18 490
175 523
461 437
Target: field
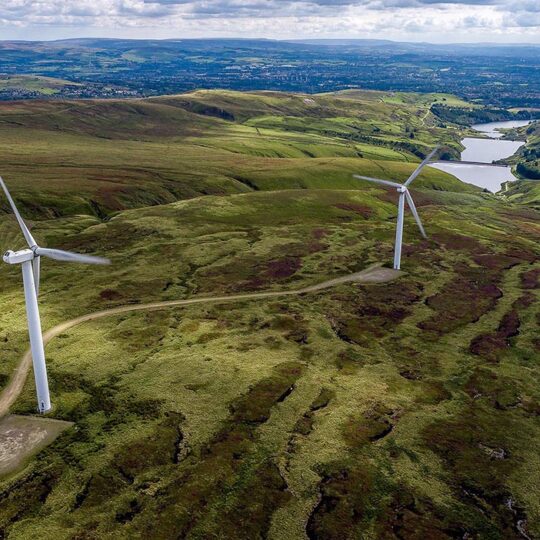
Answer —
33 86
403 409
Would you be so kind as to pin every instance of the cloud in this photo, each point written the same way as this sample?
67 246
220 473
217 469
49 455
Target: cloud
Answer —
440 20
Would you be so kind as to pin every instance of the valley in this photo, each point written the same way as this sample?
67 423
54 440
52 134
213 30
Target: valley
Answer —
501 75
491 151
403 407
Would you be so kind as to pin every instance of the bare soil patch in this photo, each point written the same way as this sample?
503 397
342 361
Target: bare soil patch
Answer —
23 436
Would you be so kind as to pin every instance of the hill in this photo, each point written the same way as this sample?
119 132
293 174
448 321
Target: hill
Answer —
381 410
527 166
107 155
296 411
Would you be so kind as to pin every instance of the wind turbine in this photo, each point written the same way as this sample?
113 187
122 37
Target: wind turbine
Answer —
29 259
403 190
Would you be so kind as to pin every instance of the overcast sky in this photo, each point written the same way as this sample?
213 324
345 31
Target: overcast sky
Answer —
504 21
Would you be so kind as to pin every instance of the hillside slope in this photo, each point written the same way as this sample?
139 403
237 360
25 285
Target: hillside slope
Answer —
380 410
398 410
104 156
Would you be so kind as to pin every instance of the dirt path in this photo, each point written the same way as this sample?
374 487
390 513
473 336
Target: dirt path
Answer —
373 274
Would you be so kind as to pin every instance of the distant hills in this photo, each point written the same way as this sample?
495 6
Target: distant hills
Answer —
497 75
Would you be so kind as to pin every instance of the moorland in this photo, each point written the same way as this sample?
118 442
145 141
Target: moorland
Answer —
403 409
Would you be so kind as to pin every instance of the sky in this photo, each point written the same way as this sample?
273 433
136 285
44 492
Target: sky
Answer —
437 21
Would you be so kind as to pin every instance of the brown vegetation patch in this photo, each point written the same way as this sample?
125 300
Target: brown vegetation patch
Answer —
345 501
522 253
454 241
158 449
522 212
490 345
373 425
250 273
478 476
365 211
255 406
373 311
496 261
25 497
184 501
524 301
250 515
110 294
509 325
304 425
423 198
283 268
293 326
468 296
319 233
531 279
500 392
487 346
409 517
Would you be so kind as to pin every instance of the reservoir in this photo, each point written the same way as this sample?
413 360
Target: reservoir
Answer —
485 151
491 129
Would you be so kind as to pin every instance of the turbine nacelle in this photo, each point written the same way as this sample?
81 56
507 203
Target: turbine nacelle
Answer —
404 196
18 257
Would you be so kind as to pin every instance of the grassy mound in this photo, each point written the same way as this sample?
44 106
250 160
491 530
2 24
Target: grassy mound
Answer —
99 157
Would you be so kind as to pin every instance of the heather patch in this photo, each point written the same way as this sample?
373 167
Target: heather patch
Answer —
530 279
374 311
468 296
365 211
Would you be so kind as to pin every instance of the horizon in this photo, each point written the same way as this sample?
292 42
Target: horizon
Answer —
282 40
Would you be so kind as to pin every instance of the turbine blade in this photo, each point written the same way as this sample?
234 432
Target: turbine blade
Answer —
36 270
27 235
68 256
377 181
412 206
421 166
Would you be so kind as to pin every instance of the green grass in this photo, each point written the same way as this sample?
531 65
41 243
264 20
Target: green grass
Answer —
399 410
137 384
105 156
47 86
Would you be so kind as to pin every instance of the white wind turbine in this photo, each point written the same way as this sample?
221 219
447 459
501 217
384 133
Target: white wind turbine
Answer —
403 191
29 259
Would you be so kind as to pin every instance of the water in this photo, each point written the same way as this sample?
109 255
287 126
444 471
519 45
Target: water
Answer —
484 176
488 150
491 129
485 151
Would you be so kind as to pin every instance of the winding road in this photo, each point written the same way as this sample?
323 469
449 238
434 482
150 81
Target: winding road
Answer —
373 274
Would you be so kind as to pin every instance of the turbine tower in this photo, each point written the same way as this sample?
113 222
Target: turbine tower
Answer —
29 259
404 194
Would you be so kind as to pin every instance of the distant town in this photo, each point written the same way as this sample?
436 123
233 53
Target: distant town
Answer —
502 76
